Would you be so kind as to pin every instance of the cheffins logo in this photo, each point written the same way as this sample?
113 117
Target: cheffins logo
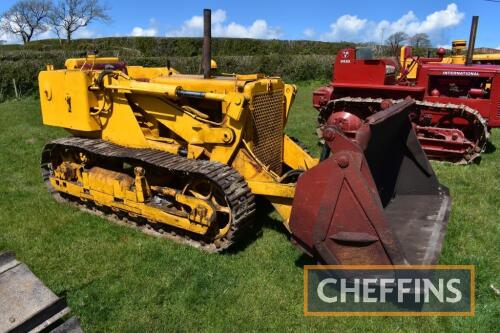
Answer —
375 290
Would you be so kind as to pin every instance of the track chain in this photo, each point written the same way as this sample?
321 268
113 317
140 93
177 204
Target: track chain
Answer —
233 185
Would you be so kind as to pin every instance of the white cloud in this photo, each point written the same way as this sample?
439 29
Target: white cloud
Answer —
444 46
8 38
16 39
151 31
148 32
46 35
347 27
353 28
309 32
84 32
498 47
194 28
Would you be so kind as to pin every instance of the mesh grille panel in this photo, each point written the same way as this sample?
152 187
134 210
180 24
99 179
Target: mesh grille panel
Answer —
268 140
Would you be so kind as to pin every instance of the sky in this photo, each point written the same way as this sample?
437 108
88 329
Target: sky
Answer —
330 20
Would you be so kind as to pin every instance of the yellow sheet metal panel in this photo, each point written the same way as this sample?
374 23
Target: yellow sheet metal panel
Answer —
65 100
148 73
77 63
486 57
121 126
221 85
295 157
272 189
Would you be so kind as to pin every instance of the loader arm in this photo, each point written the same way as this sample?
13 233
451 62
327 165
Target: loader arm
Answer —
367 205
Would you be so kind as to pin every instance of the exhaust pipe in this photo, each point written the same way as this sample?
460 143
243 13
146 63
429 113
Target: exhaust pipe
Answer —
207 41
472 40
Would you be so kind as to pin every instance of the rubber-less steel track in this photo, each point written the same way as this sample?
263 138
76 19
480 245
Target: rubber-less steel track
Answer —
473 116
230 182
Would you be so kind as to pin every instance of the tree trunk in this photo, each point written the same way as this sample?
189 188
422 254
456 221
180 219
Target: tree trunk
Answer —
68 36
58 33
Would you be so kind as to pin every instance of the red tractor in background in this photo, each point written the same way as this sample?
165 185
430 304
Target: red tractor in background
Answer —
456 104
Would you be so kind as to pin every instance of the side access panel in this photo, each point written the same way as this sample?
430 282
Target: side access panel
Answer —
66 101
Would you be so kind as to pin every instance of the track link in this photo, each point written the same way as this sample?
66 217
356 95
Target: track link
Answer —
458 109
233 185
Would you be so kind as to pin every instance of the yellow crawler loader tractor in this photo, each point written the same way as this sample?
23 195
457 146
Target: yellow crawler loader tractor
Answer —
184 156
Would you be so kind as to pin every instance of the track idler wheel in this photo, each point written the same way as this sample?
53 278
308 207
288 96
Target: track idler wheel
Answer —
207 191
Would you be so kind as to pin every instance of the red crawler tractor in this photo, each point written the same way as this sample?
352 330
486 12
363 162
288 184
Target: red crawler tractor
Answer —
456 104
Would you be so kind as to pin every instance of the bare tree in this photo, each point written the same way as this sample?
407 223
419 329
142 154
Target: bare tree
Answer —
67 16
395 40
26 18
420 40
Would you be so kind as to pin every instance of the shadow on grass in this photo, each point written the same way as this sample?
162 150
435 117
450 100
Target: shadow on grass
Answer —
477 160
304 259
262 220
490 148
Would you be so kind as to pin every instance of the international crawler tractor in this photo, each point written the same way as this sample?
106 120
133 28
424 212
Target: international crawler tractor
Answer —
183 156
457 104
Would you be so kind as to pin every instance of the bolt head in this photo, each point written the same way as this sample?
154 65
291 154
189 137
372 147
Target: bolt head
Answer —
138 171
342 161
227 137
328 134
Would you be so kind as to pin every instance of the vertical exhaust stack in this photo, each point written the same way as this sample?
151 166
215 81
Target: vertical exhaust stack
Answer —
207 41
472 40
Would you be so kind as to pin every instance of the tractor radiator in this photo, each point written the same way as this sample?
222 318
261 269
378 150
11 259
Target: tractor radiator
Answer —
268 113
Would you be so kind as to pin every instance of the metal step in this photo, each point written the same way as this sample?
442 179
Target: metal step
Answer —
26 304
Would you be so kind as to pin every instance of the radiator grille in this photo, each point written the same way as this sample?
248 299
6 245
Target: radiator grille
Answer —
268 136
498 109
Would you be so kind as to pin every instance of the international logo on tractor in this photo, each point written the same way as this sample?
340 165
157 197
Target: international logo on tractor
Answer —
345 57
376 290
460 73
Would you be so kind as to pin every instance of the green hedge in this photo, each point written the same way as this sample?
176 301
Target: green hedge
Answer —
293 60
183 47
292 68
188 47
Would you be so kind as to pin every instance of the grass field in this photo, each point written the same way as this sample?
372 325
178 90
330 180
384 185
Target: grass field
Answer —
120 280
